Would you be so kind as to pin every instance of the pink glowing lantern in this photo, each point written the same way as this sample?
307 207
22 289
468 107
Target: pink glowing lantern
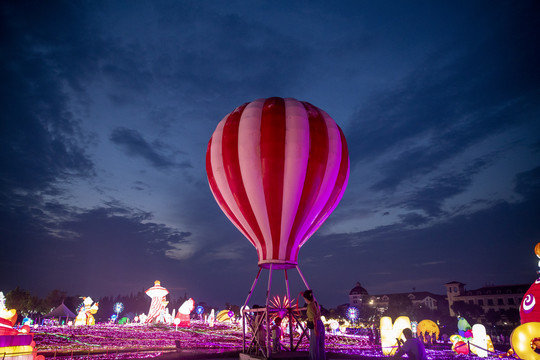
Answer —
277 168
157 293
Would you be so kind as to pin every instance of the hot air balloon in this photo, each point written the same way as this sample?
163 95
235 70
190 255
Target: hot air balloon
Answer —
277 168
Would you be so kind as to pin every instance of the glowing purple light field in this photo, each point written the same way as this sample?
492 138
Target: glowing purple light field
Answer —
135 341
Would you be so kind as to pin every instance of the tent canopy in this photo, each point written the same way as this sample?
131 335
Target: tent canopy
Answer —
61 311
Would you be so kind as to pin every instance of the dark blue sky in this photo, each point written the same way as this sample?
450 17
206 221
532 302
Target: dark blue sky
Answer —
107 108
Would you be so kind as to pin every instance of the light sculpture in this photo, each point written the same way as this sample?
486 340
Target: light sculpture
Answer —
118 308
352 313
157 293
88 308
390 332
479 342
427 326
525 339
223 316
184 312
211 318
15 343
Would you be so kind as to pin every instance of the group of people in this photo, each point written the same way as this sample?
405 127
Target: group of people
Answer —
428 338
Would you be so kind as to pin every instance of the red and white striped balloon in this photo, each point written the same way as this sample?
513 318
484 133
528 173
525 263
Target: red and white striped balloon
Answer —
277 168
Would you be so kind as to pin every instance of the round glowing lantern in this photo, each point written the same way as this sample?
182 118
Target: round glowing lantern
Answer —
427 326
277 168
537 249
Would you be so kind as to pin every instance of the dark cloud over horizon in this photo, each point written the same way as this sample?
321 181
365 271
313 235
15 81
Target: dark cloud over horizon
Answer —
108 108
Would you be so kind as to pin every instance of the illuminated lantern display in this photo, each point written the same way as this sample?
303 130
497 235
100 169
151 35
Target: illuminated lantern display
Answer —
184 312
529 310
479 342
223 316
475 339
464 327
15 344
118 307
157 307
211 318
427 326
85 316
525 339
277 168
352 313
391 332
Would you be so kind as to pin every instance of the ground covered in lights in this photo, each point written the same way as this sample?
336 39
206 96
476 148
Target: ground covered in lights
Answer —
139 341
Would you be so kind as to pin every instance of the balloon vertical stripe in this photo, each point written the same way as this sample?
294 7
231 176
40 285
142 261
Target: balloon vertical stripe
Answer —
296 159
318 156
230 137
277 168
337 191
219 198
272 160
249 150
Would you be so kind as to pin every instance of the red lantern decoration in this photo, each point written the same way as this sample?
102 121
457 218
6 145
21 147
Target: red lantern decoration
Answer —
529 310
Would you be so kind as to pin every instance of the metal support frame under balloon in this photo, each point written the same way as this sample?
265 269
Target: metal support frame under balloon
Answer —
261 317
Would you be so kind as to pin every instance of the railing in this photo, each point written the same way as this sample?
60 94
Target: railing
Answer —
258 321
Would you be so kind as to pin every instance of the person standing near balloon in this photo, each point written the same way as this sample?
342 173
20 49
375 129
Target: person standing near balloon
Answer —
316 327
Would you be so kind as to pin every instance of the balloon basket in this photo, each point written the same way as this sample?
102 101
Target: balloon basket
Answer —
258 322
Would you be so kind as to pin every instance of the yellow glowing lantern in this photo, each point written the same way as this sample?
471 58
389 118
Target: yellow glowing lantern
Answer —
391 332
522 338
427 326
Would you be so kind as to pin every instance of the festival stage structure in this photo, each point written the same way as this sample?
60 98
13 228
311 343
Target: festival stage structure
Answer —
277 168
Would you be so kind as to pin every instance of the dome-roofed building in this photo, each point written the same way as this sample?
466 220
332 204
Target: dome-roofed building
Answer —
357 295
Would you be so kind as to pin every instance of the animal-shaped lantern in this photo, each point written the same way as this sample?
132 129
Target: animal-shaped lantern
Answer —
85 316
277 168
184 312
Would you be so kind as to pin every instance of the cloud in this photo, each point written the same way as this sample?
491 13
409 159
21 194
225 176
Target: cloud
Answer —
431 196
463 93
180 250
135 145
527 183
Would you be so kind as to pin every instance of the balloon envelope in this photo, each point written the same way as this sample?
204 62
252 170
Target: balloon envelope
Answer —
277 168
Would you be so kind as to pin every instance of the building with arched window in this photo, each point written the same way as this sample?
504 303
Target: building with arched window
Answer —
490 297
358 295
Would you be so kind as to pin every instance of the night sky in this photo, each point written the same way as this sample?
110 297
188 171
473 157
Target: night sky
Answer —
108 106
